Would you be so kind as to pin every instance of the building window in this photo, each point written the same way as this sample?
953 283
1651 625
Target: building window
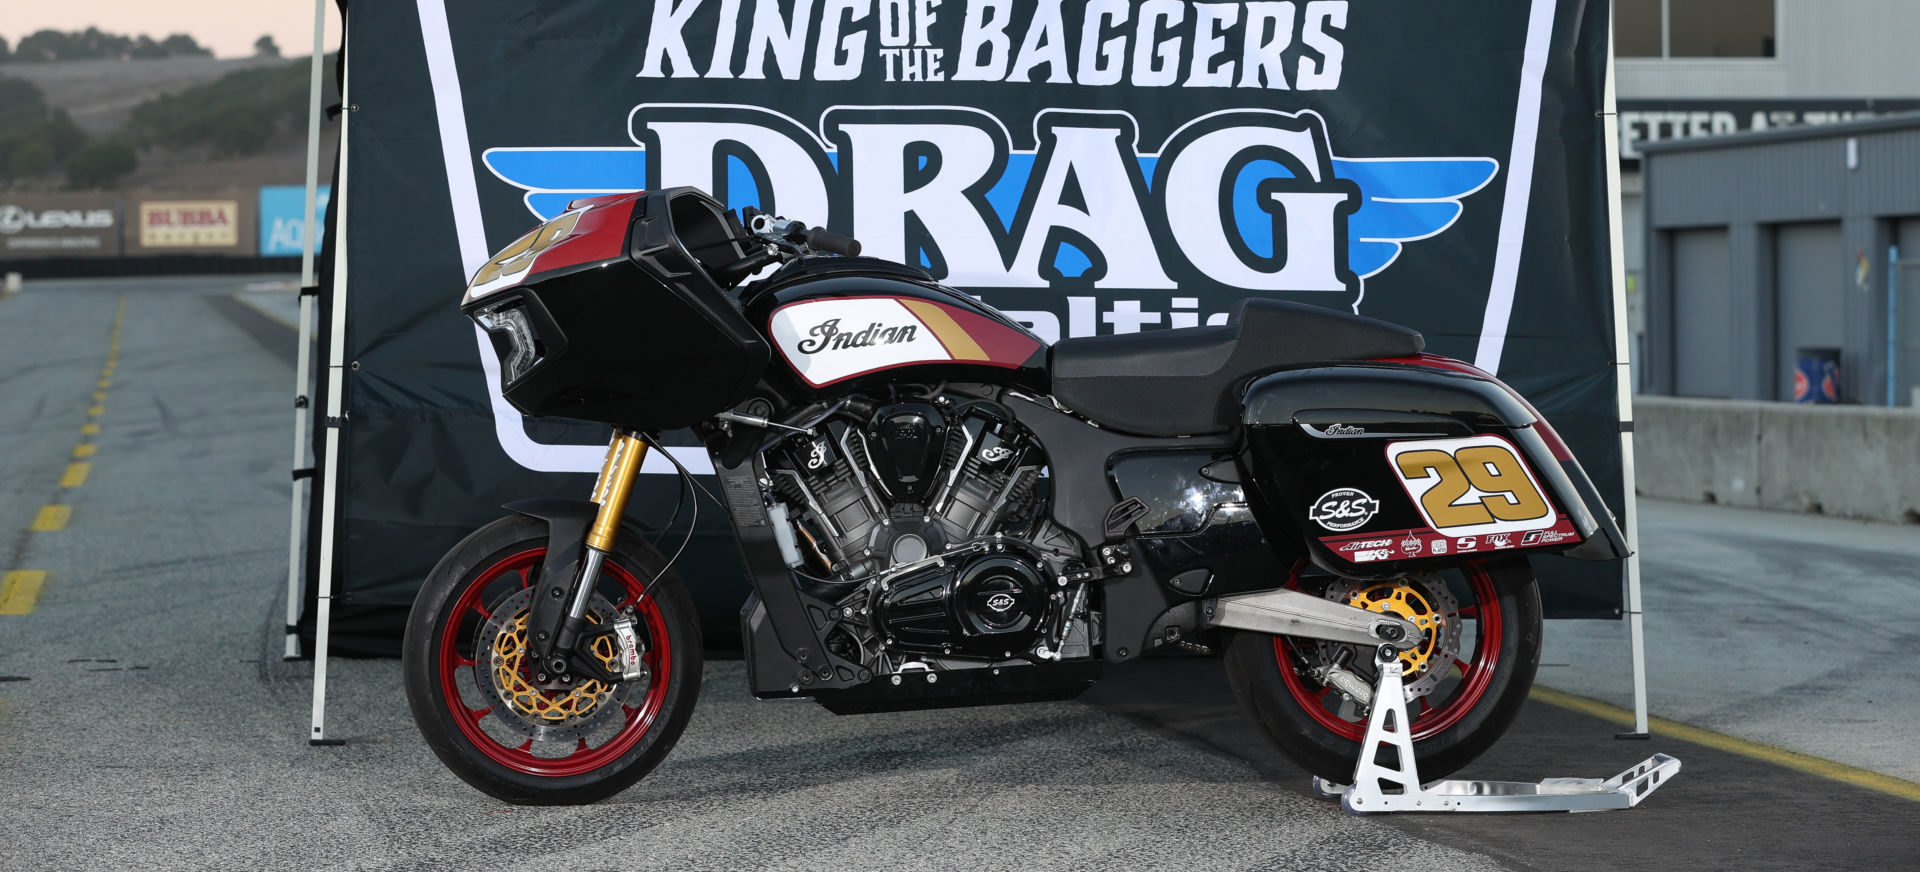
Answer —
1694 28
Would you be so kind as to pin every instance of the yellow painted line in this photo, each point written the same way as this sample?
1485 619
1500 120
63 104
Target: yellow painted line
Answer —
84 450
99 396
52 518
76 474
105 383
91 429
19 590
1794 760
96 411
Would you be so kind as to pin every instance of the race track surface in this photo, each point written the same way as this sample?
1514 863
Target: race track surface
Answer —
148 721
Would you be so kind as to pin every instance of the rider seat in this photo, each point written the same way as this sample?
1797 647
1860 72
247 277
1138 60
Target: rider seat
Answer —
1188 381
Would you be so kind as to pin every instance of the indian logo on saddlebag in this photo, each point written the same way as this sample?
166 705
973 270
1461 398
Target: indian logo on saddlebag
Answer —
827 336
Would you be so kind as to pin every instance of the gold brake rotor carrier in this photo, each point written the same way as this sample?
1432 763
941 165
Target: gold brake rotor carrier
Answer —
579 701
505 676
1421 600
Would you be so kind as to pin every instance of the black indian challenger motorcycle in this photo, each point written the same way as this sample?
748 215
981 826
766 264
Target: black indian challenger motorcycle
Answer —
939 509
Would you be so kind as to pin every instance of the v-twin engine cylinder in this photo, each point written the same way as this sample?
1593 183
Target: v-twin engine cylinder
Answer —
924 518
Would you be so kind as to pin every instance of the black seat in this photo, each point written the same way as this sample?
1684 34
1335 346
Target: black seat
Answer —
1187 381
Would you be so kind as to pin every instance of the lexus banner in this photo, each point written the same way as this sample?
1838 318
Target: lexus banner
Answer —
1088 166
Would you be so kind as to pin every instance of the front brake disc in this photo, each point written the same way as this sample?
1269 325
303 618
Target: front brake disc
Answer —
541 712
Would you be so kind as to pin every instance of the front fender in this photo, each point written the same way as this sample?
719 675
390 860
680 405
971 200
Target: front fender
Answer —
567 525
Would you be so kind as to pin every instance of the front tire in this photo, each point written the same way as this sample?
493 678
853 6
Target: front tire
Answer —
1472 692
480 704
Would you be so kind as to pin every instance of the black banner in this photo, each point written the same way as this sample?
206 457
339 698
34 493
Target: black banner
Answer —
1089 166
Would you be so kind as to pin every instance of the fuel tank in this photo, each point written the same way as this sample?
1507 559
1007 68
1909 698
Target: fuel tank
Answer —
838 321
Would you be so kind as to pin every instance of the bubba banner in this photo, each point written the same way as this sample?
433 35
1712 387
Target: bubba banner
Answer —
1089 166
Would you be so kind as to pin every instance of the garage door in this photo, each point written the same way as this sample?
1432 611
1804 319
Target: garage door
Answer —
1907 316
1702 314
1811 276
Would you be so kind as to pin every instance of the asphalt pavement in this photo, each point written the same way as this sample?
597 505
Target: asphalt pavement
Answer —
147 720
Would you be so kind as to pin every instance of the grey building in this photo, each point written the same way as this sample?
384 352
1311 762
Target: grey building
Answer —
1759 244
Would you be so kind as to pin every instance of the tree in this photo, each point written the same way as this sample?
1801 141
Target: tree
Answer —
181 45
43 45
101 163
29 159
21 105
145 48
264 47
4 52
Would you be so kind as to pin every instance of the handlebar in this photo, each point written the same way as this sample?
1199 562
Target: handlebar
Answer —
822 239
781 240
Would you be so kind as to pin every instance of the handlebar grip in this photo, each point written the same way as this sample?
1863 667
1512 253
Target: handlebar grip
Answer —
822 239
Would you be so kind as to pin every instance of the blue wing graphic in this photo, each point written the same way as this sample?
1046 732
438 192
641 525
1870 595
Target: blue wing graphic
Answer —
553 177
1402 200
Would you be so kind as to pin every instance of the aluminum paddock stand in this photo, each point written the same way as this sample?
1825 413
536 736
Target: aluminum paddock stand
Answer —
1387 728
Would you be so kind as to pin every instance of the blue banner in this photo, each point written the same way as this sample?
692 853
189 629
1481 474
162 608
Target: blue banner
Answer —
283 210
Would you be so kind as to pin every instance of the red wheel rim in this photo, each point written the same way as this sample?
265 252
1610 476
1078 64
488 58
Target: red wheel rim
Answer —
639 716
1428 719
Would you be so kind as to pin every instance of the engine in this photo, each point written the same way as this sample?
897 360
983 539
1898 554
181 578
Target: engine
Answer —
923 519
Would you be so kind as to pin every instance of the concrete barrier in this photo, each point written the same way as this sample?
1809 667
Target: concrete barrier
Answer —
1852 461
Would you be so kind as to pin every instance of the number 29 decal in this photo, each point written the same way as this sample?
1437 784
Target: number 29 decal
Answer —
1471 486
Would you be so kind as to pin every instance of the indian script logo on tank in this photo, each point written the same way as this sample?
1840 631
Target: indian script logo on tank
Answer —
1084 201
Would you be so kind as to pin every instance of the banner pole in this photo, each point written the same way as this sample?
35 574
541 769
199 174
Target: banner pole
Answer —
303 367
336 418
1623 390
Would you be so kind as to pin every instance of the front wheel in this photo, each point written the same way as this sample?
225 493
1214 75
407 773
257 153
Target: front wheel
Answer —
1464 684
516 733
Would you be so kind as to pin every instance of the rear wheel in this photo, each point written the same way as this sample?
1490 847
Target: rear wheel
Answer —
509 729
1464 684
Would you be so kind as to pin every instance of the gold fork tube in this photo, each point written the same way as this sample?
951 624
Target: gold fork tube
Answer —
624 456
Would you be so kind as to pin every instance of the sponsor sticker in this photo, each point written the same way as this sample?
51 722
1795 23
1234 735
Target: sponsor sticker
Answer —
1439 547
1471 485
1371 556
1366 544
1500 540
1411 544
1545 537
1467 543
1343 509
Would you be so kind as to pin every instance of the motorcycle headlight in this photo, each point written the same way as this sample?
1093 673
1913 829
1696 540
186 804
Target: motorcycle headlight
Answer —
509 324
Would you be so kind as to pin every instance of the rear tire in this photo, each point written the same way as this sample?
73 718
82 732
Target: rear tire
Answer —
1466 712
475 699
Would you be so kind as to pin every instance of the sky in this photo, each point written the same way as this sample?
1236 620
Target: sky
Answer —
228 27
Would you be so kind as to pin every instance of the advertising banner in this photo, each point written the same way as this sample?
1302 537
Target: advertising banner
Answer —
283 219
1088 166
191 222
58 225
1644 121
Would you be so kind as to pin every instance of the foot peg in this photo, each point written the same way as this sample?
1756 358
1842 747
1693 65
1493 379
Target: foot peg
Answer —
1378 787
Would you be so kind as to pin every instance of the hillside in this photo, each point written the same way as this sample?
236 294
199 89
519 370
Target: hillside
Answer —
100 96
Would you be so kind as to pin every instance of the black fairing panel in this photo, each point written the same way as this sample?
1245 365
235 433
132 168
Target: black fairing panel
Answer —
647 341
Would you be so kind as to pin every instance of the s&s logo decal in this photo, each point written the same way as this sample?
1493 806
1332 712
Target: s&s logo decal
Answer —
1343 509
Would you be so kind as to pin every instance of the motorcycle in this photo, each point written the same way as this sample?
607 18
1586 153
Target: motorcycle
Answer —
937 508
